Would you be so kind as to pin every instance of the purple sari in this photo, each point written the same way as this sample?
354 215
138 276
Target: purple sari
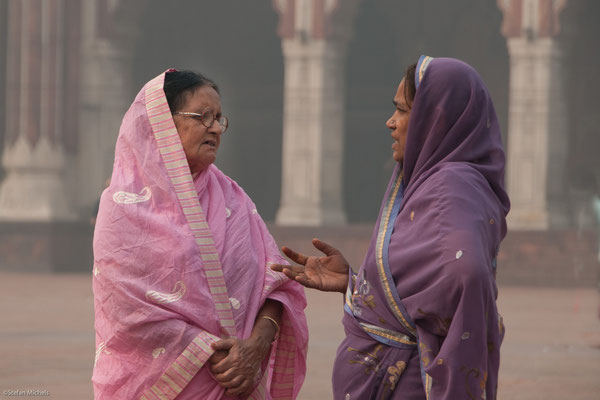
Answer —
420 316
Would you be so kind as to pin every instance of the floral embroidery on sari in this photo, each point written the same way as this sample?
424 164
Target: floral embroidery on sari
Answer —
132 198
369 360
161 298
158 351
443 324
474 373
101 349
394 373
362 295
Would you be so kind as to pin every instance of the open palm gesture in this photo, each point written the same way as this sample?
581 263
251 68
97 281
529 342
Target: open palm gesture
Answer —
328 273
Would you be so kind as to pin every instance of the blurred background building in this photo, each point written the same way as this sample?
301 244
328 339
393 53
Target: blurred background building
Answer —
307 86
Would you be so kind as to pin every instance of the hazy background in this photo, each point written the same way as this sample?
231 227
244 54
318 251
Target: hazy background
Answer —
236 44
241 51
547 279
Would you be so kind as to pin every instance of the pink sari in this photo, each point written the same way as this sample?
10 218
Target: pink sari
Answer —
179 263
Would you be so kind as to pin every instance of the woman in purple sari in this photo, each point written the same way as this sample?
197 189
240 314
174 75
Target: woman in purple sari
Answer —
420 315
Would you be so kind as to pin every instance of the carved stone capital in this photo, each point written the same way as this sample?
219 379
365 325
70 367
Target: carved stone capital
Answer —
531 19
316 19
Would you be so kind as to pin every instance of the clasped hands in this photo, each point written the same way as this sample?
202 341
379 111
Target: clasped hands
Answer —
236 363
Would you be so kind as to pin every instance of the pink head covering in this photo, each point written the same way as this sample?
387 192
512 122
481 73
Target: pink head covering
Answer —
178 264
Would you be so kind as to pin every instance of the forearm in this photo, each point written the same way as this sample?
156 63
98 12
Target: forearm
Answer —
351 280
267 323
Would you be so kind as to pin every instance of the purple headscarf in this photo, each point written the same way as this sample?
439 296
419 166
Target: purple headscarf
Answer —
453 120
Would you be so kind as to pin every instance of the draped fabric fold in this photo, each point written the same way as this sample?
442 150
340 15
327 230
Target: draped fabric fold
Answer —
179 263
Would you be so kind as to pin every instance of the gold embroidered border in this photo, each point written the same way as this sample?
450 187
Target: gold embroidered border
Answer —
424 66
386 333
385 220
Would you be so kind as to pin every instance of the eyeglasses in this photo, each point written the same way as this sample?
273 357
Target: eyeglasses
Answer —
207 119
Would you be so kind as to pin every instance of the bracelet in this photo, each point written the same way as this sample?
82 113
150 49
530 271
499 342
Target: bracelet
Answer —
274 323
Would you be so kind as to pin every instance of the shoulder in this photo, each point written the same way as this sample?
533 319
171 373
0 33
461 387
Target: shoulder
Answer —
468 220
463 206
459 188
452 176
223 179
229 186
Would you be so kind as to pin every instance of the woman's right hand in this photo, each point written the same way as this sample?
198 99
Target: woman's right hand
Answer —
328 273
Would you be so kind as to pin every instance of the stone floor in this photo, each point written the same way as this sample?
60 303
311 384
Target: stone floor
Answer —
551 351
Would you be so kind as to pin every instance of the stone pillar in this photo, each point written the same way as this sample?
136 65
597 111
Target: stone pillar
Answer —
3 42
537 130
109 31
315 34
33 157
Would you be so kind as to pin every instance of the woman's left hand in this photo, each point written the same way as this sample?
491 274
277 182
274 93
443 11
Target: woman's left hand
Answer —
237 371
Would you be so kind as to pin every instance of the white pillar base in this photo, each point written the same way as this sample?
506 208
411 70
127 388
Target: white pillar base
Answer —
537 148
33 190
523 219
298 215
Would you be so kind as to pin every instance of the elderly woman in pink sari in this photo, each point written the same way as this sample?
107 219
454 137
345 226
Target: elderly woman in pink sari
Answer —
420 315
185 304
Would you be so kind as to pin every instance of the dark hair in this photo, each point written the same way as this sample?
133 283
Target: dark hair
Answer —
410 89
179 84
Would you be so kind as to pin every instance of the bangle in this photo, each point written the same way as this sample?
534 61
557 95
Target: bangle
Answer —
274 323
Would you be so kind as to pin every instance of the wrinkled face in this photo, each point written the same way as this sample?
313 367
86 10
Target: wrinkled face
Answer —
200 143
398 123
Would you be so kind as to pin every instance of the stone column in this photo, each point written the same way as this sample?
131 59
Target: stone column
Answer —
3 59
314 36
33 157
109 31
537 130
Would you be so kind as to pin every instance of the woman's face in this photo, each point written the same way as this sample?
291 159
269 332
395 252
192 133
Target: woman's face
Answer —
200 143
398 123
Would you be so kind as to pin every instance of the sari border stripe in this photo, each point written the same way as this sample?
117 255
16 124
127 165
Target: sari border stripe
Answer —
285 359
348 297
396 337
421 68
392 206
172 381
173 156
